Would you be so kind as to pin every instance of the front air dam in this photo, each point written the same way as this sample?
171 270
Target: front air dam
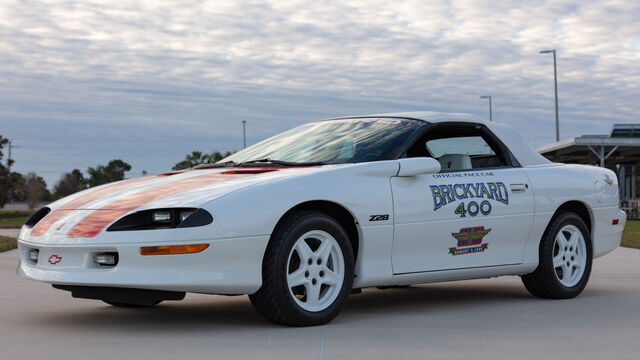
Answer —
140 297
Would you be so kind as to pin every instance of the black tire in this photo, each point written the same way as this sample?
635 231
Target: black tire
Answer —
274 300
129 305
544 281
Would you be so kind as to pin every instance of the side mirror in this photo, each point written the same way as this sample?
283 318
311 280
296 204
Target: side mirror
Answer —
417 166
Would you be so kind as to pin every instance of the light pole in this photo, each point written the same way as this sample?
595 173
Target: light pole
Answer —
490 110
555 83
244 134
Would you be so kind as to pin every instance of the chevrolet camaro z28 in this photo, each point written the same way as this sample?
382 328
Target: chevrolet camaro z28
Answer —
301 219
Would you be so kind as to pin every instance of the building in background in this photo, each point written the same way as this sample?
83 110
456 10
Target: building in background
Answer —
618 151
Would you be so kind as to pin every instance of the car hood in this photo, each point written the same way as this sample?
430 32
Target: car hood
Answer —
185 189
191 188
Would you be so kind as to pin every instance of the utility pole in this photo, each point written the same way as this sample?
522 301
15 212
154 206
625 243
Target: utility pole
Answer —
9 161
244 134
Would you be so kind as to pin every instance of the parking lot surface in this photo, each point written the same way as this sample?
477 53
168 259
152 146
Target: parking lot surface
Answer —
478 319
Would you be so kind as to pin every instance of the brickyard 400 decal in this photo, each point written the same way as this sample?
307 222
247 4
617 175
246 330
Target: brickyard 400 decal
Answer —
445 194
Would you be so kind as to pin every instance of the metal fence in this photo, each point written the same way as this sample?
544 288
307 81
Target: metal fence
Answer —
631 208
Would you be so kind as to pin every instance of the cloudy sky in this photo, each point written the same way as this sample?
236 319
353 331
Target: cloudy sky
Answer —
83 82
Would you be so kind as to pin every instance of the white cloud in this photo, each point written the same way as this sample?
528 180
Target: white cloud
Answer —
160 63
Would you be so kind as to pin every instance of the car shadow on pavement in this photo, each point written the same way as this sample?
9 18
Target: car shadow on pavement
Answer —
199 312
434 298
167 316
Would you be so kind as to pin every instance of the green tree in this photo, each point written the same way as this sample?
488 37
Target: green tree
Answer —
217 156
114 171
5 181
16 189
198 157
191 160
35 189
69 183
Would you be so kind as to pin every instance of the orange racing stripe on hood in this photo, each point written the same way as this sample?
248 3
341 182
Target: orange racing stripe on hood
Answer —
43 225
96 221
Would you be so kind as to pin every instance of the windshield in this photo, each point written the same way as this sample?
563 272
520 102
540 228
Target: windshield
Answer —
332 142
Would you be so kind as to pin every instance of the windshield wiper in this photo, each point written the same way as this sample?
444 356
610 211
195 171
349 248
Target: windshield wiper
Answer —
216 165
279 162
229 164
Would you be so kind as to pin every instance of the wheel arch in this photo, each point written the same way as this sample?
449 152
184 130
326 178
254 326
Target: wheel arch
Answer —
577 207
543 281
336 211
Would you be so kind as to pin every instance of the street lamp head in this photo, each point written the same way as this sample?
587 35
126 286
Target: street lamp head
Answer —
547 51
485 97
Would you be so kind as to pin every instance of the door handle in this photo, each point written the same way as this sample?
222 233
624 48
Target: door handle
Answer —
518 187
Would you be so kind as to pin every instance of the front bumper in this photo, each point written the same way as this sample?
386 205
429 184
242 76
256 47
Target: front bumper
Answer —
229 266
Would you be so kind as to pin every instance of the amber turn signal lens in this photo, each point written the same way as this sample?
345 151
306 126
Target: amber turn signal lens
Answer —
173 249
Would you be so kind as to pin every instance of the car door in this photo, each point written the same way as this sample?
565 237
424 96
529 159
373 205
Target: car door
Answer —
476 212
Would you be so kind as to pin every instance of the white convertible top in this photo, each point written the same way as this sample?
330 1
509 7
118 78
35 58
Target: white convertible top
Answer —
525 154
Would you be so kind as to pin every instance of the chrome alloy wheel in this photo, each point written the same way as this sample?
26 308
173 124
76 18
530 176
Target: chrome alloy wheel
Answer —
315 270
569 255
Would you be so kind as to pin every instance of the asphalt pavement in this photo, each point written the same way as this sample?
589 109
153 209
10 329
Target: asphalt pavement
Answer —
477 319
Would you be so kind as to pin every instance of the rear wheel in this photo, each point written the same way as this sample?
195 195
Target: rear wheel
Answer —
565 260
307 271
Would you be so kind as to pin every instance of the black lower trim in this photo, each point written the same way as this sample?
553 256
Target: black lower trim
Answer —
454 269
142 297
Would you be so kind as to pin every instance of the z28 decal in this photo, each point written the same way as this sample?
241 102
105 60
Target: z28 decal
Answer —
379 217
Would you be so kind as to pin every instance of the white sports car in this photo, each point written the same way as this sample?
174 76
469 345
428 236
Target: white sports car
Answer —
302 219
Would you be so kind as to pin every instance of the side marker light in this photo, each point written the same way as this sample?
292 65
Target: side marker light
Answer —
173 249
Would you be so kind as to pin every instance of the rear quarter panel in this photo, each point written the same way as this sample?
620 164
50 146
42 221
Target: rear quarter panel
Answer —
556 184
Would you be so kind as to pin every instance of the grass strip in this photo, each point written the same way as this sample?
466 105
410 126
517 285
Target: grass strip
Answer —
7 243
631 234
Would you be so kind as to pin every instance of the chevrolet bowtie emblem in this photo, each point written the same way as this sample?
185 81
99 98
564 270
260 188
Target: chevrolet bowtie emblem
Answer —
54 259
608 180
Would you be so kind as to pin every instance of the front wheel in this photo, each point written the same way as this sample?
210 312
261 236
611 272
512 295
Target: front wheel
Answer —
307 271
565 260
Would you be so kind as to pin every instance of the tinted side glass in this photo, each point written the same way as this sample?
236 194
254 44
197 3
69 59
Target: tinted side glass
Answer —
460 147
469 145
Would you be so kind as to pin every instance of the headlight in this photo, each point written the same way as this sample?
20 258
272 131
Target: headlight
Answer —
185 214
163 219
161 216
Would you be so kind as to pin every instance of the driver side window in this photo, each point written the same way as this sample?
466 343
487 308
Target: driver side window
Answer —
460 147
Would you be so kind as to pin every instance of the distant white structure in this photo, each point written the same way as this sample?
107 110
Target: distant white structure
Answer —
21 206
618 151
